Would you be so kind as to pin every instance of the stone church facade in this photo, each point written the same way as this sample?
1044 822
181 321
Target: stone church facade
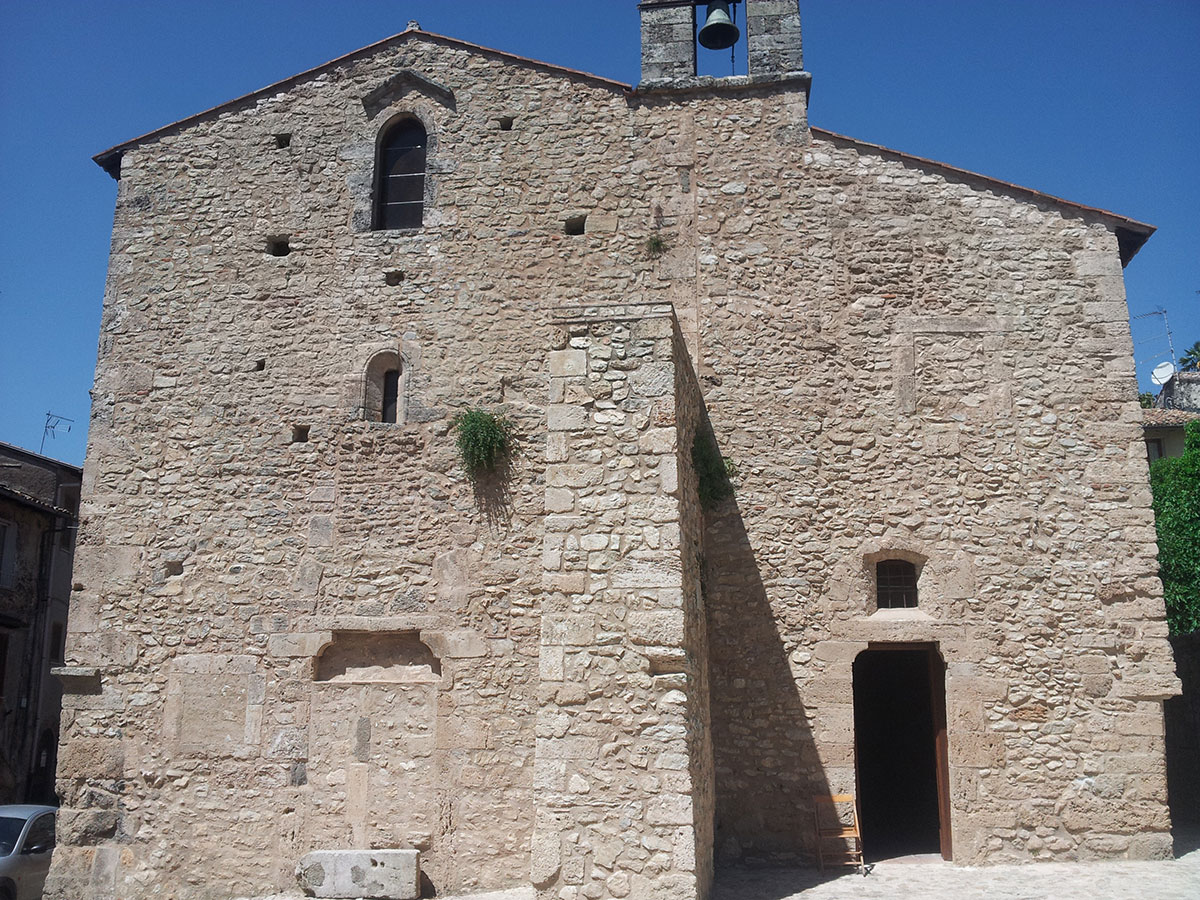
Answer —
298 626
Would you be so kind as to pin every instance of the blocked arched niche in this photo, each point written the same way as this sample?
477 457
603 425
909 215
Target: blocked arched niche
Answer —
362 656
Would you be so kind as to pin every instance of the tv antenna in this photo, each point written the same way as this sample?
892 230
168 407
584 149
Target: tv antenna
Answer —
53 423
1161 313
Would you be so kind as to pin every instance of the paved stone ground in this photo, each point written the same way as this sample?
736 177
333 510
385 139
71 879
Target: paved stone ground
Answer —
929 878
933 879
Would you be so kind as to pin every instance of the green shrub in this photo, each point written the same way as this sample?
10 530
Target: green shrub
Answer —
483 439
1175 482
713 472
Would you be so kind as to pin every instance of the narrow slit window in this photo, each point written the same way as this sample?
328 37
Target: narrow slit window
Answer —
391 394
895 584
400 177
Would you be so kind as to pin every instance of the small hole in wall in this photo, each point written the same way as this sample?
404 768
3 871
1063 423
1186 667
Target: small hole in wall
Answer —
393 278
300 434
174 567
278 246
260 365
505 123
283 141
575 225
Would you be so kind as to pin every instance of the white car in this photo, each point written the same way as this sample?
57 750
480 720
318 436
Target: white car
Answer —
26 842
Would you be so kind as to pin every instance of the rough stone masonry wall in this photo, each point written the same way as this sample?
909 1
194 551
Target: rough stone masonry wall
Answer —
219 561
904 363
897 361
622 729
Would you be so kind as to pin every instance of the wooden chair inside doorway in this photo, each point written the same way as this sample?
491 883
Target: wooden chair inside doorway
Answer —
835 819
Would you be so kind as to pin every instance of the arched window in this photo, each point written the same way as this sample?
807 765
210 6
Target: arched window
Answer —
895 584
400 176
383 399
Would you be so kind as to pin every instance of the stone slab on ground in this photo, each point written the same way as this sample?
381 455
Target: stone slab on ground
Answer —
521 893
361 874
1177 879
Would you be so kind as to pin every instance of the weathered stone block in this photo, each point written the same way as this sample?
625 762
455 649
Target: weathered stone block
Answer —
365 874
568 363
294 645
92 757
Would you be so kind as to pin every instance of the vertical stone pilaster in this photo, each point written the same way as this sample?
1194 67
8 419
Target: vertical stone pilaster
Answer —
773 33
622 699
668 41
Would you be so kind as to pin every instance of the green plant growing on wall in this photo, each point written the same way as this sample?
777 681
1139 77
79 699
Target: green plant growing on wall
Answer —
483 440
1175 482
655 246
714 473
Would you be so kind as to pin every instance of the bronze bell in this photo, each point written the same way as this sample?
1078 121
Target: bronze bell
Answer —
719 32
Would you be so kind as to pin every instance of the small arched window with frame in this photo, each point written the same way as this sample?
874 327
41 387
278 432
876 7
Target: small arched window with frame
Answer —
383 394
400 176
895 584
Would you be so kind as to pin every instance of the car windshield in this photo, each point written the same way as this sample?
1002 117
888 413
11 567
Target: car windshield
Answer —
10 830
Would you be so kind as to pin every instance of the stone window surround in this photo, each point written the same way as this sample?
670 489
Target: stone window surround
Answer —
378 363
871 560
366 196
355 384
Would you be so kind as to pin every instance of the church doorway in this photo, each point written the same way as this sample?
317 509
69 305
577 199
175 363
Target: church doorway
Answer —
900 750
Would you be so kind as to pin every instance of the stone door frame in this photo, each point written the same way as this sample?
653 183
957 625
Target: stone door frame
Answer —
937 686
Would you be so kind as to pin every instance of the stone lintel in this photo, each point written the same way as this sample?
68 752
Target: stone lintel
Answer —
708 84
618 312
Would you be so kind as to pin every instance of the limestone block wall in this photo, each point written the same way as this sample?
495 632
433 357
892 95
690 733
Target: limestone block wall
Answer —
623 772
221 556
904 363
310 631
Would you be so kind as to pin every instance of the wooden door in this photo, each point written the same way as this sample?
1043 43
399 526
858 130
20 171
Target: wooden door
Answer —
937 686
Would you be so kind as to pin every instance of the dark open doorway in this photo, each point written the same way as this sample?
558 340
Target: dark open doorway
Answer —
900 751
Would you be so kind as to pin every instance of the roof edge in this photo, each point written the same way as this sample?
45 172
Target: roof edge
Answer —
1131 234
110 160
41 457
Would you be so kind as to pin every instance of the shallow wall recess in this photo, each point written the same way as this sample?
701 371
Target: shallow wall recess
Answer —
357 656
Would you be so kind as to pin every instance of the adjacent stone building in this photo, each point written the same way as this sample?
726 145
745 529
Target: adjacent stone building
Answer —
39 502
298 626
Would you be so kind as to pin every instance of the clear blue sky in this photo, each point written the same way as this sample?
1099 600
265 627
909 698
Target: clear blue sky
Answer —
1096 101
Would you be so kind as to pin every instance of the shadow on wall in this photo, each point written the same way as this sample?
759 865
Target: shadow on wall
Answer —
1182 716
767 768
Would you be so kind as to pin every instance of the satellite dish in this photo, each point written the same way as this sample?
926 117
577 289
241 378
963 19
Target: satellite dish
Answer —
1162 373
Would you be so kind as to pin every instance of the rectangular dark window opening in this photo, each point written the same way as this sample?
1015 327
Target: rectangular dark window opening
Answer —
260 365
1154 449
391 395
402 215
56 643
283 141
278 246
505 123
393 277
300 434
575 225
3 660
896 584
